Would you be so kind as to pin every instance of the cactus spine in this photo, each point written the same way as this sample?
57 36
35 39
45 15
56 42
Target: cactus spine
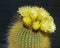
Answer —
21 36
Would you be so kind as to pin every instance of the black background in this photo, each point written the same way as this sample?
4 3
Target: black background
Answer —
8 9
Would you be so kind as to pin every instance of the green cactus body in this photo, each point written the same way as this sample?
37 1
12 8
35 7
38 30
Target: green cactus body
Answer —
21 37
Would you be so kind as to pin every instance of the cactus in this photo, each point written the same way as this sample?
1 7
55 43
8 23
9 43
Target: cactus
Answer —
25 35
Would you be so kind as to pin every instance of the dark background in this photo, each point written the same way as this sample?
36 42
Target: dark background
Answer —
8 9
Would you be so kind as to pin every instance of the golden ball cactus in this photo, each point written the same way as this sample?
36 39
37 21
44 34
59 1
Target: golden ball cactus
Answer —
31 30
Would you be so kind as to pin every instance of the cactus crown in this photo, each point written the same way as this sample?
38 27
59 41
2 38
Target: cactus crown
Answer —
37 18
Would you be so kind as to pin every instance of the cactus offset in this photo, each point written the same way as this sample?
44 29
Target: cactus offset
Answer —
22 35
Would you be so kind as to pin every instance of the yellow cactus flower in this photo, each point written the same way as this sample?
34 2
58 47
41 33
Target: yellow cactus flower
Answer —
47 26
24 11
42 14
26 20
52 27
50 18
31 13
34 12
36 25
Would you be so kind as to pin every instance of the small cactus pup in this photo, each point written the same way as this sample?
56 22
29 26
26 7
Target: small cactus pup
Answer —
32 28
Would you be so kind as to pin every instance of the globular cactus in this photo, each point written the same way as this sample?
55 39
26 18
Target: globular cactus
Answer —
28 31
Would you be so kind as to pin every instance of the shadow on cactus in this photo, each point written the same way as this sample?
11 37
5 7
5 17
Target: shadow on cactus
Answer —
32 28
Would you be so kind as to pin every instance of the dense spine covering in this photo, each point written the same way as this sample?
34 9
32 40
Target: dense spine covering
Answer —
27 32
20 37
